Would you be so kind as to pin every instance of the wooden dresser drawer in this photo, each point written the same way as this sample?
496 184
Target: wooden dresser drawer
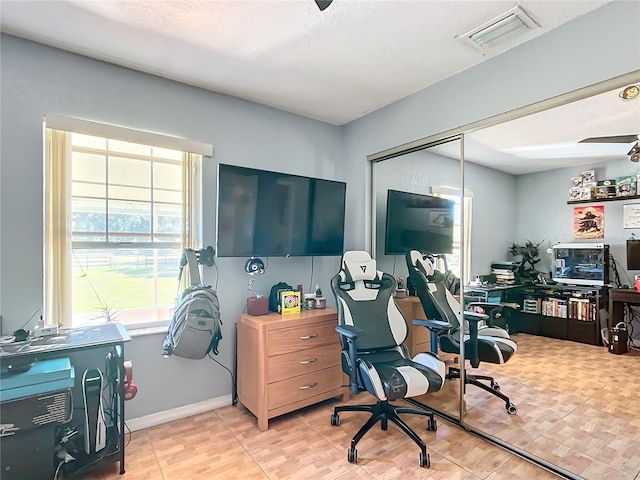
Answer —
287 340
303 361
304 386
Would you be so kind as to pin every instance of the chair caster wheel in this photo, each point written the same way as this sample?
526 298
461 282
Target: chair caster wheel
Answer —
335 420
495 387
352 455
512 409
425 461
432 425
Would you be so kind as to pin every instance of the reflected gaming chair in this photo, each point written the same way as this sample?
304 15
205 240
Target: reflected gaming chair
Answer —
372 330
482 342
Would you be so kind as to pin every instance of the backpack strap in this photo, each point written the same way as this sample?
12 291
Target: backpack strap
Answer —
190 260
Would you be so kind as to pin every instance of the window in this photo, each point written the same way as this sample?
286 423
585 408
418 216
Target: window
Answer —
453 259
117 215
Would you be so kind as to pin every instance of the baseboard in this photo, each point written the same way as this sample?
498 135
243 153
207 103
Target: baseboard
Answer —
177 413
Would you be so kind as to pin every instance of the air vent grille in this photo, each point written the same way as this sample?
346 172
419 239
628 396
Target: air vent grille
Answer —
505 27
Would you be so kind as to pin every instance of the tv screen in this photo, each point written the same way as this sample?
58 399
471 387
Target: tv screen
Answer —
421 222
262 213
580 263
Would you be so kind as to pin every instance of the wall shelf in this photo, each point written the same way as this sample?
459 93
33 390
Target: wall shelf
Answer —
598 200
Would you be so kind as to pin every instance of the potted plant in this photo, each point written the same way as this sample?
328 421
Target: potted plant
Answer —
530 255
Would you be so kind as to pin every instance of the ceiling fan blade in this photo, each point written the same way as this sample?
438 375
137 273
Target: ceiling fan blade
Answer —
322 4
612 139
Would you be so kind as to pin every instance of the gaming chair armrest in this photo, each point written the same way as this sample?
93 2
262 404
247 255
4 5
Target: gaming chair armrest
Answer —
350 333
474 318
436 327
472 352
433 325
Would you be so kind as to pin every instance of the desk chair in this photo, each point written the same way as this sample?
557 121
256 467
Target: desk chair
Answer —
482 342
372 330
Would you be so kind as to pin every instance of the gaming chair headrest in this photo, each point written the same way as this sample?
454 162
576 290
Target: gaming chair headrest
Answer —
423 264
358 265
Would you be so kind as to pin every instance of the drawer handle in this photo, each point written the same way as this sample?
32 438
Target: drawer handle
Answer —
306 387
311 360
308 337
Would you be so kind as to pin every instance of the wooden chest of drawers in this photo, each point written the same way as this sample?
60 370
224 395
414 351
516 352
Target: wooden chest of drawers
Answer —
286 362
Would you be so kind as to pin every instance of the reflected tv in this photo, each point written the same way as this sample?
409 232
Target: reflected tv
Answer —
581 263
420 222
264 213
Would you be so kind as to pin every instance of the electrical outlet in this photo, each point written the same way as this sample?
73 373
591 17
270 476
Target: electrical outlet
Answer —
45 331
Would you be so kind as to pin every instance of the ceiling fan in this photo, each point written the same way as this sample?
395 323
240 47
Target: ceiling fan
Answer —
612 139
634 153
322 4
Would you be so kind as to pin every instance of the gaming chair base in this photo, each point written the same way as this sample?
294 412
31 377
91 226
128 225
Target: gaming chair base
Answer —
382 412
493 387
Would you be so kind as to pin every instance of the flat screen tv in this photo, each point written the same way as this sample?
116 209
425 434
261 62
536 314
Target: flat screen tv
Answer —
263 213
417 221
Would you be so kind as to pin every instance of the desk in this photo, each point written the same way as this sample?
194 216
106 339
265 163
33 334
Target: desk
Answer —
489 293
76 339
618 297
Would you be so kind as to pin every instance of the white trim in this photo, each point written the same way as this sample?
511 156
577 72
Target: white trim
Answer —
178 413
452 191
70 124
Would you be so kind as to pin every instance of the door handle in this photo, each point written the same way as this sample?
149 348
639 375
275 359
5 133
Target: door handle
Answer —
311 360
306 387
307 337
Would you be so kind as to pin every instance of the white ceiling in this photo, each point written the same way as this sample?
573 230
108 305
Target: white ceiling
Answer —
336 65
548 140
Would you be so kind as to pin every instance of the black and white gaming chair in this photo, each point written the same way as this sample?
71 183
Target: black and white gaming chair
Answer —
482 342
372 330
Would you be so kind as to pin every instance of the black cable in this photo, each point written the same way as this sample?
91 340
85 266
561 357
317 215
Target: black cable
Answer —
233 380
31 317
614 267
311 279
394 266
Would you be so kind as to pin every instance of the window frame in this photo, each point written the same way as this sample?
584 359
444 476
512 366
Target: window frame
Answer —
464 243
59 246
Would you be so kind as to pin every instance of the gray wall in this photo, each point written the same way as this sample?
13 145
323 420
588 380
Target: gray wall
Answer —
35 80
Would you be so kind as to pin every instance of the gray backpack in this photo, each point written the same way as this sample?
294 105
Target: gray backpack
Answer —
194 330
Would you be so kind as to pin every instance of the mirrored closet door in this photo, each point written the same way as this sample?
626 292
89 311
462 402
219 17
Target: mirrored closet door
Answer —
417 204
576 410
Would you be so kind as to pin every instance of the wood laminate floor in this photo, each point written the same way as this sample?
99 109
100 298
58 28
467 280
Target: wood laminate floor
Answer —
578 408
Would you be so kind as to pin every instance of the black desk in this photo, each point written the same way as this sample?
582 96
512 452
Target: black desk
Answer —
76 339
490 293
618 298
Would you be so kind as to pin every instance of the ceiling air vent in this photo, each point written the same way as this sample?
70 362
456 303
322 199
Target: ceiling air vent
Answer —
502 28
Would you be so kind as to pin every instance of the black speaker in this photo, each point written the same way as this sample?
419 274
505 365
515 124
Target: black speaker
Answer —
633 254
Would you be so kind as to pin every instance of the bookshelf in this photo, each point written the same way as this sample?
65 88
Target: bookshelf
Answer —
567 312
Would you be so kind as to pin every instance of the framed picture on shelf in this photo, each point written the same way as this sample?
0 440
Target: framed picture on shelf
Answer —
588 222
631 215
